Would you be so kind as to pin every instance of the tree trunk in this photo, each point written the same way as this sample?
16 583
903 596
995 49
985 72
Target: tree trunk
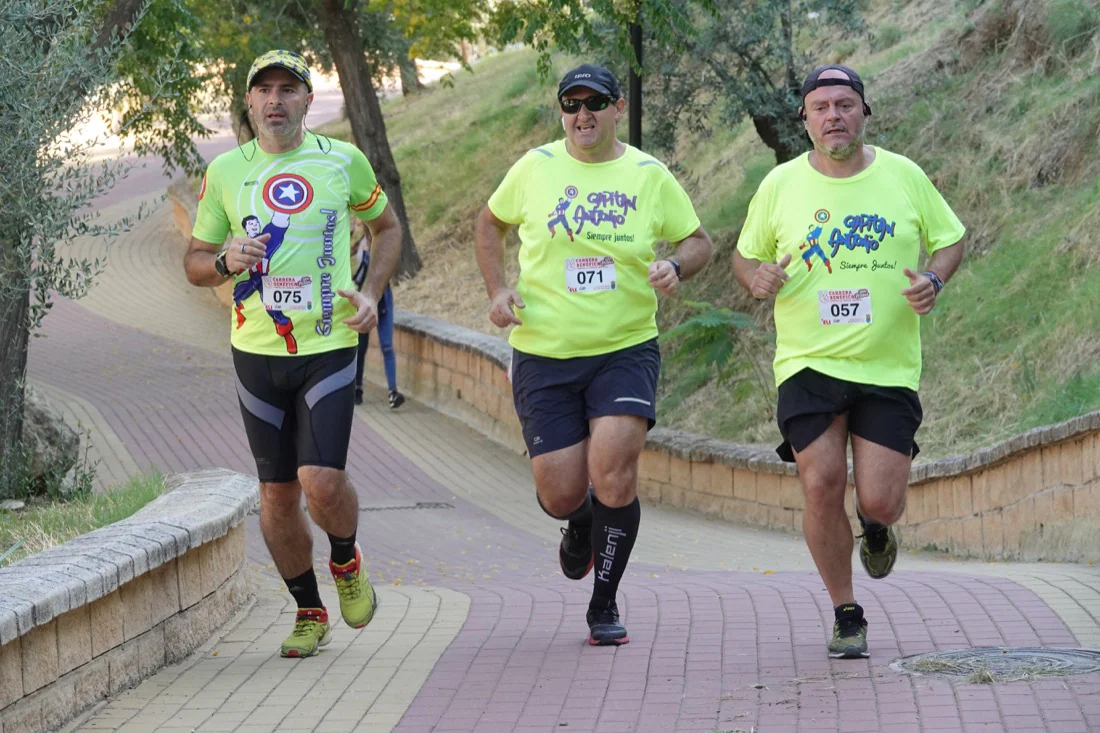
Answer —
776 133
118 22
783 133
410 78
14 305
15 295
341 28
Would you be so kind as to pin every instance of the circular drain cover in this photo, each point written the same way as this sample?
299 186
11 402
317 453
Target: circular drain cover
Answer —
995 664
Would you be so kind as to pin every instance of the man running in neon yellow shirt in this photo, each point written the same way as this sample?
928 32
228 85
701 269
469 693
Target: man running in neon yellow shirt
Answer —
295 325
847 358
585 362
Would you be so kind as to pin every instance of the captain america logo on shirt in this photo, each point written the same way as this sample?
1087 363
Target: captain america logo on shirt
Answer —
288 193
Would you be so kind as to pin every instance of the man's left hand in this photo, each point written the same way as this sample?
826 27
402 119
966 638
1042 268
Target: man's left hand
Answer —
366 310
921 294
662 277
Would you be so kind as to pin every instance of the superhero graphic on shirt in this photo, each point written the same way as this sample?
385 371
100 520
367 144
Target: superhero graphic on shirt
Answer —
286 194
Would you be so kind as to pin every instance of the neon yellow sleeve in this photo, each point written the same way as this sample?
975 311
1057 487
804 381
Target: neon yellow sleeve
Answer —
757 240
680 219
211 222
365 195
507 201
939 225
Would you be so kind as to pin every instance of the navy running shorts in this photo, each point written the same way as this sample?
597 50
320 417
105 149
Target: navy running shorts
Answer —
297 410
809 401
555 398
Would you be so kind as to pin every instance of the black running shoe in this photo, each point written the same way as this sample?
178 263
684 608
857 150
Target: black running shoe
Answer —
604 626
575 552
396 399
358 396
878 549
849 634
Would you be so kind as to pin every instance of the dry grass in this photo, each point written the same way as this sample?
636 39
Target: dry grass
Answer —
46 524
1006 127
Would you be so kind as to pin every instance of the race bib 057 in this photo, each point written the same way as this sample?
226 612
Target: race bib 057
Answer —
844 307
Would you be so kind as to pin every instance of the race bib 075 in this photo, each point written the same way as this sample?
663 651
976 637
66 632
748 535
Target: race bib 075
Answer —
282 293
844 307
587 274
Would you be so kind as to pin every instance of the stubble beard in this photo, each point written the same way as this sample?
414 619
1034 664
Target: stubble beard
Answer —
842 153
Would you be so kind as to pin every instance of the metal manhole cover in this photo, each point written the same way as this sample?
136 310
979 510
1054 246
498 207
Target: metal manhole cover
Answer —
406 505
994 664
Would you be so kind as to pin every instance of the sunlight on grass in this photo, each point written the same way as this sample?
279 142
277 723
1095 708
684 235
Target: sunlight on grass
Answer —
1010 346
41 526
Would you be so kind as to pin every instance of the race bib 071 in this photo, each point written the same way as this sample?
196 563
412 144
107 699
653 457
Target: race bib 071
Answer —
844 307
282 293
588 274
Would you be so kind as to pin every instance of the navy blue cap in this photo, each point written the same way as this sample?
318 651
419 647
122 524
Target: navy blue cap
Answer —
813 81
594 77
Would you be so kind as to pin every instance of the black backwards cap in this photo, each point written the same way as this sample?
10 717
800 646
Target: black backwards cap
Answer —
814 81
593 77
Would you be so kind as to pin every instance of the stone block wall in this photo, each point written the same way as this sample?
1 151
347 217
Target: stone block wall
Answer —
88 619
1033 497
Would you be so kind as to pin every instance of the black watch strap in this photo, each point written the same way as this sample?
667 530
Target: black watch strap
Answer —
675 266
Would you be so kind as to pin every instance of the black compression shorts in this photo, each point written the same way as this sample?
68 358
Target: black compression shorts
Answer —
297 410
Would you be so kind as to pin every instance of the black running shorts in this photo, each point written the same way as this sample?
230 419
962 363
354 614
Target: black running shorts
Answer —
297 410
809 401
555 398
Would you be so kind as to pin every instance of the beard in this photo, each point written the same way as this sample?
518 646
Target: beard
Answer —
289 126
843 151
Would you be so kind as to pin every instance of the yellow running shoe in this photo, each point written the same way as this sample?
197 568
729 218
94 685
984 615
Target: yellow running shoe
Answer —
309 635
357 598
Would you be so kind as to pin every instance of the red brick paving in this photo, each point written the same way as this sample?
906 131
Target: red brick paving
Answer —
709 651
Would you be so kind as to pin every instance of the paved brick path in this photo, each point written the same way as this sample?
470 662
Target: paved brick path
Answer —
478 631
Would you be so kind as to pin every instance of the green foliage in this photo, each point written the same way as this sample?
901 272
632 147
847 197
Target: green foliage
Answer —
577 26
64 67
44 525
18 482
717 341
437 28
748 59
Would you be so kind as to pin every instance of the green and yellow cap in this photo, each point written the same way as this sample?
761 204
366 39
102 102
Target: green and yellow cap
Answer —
289 60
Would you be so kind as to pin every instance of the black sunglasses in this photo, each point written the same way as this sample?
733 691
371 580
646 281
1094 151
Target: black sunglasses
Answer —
595 103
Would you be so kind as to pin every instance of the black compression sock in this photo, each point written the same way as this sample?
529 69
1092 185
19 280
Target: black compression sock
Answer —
581 519
304 590
613 535
343 549
848 610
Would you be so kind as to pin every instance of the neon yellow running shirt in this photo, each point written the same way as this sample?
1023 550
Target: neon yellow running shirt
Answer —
587 233
288 304
842 312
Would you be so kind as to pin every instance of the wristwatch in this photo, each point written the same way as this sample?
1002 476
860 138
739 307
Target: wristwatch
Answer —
675 266
937 284
219 264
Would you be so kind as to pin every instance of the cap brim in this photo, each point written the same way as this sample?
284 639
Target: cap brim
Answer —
284 67
595 86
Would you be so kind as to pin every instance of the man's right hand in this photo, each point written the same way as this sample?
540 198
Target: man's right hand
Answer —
501 311
244 252
769 278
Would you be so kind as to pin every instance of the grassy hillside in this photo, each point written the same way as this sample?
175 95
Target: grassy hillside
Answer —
998 101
